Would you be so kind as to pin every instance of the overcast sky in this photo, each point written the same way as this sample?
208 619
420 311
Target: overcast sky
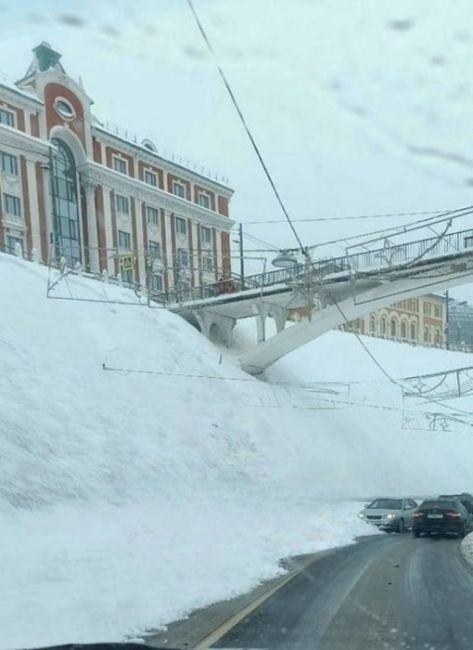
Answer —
360 107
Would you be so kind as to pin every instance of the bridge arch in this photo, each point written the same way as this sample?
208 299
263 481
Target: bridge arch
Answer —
350 308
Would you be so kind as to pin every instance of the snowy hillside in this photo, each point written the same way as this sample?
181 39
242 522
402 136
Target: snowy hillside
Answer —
115 481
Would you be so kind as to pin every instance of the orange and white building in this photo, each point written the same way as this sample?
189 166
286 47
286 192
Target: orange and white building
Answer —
72 189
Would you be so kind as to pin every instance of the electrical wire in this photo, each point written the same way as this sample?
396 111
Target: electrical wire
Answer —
348 218
303 249
245 125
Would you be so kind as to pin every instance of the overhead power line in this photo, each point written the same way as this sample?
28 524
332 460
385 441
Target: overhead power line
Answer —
303 249
245 125
348 218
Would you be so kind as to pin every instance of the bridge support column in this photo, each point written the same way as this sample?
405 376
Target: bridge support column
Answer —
261 327
279 314
262 312
217 328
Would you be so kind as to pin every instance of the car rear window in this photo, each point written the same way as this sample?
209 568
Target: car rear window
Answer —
387 504
443 504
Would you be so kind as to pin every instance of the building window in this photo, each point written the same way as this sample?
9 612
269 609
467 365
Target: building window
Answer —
178 189
123 204
205 235
209 291
64 109
12 205
65 204
154 248
157 282
383 325
184 288
393 327
207 264
127 276
152 215
8 163
181 226
437 311
7 117
119 165
150 178
403 329
372 324
413 332
203 199
426 335
437 336
124 240
182 257
427 308
14 244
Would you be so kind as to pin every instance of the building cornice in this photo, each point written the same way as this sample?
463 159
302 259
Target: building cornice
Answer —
19 97
96 173
154 158
25 144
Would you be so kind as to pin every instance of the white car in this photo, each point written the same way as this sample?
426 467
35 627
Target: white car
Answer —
390 514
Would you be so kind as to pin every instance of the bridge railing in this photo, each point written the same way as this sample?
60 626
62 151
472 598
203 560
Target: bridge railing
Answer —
397 254
388 256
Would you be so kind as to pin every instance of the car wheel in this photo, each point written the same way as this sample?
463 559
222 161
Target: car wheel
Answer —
401 528
416 533
462 532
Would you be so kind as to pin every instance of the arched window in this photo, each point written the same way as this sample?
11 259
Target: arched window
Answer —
403 329
413 331
426 335
393 327
65 204
437 336
372 324
383 325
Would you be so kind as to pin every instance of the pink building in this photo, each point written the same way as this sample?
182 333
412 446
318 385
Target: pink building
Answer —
70 188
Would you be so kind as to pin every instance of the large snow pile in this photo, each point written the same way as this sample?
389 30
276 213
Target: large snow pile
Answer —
133 494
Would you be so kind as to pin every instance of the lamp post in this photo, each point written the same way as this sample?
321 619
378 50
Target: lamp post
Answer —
284 260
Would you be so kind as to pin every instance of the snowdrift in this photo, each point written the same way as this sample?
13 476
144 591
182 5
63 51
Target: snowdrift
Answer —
144 474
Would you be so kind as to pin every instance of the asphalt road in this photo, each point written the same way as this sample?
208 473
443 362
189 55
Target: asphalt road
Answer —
386 592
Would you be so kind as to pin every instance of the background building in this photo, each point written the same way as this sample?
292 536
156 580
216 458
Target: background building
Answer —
460 325
417 320
72 189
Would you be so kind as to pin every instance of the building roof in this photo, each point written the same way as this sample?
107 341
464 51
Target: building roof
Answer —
168 162
23 93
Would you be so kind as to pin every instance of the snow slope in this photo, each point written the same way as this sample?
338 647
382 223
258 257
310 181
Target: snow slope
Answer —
133 494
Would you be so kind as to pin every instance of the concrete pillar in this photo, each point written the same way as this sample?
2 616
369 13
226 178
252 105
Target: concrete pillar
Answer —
261 327
92 234
279 314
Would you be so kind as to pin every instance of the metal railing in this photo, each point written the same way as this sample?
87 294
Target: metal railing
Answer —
388 256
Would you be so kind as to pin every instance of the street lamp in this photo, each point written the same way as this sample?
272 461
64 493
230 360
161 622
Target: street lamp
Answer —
284 260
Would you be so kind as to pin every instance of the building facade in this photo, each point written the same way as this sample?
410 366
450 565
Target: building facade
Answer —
71 190
416 320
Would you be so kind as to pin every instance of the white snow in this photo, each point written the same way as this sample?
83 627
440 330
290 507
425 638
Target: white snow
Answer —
467 549
130 498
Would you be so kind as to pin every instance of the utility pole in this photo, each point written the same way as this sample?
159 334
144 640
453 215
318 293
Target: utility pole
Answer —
242 259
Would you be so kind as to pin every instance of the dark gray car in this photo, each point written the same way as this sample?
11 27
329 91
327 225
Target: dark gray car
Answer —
390 514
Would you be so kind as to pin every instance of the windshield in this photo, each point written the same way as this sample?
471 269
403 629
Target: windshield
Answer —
386 504
236 307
